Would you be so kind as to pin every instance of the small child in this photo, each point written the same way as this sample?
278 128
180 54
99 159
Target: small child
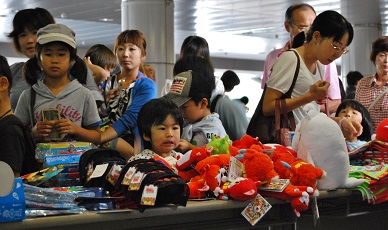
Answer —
101 61
160 123
353 109
191 91
56 74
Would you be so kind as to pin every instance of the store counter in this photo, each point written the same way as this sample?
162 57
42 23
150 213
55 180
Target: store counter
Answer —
210 214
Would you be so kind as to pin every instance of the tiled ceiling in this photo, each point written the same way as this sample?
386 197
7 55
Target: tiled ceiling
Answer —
259 19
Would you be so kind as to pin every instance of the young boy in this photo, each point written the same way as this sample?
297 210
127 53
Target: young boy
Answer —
16 150
191 91
160 123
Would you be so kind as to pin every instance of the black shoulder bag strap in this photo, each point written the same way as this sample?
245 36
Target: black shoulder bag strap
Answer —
288 93
32 104
289 116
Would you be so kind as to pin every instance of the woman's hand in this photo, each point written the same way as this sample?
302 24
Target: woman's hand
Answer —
319 90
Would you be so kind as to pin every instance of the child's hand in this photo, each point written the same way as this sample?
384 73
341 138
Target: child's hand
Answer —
183 146
65 126
351 127
43 128
112 94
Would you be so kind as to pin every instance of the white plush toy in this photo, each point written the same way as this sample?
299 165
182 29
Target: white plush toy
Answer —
319 140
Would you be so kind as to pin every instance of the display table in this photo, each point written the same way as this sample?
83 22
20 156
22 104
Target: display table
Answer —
211 214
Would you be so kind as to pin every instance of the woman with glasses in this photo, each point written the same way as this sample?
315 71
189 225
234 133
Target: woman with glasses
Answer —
327 39
372 91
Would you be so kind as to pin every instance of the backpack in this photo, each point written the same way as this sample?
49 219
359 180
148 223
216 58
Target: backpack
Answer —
90 159
171 188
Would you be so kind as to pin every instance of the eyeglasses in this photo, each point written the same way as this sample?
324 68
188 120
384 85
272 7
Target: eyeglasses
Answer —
339 50
301 28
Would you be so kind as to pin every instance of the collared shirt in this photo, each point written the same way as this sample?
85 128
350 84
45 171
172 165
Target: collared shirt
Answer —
367 90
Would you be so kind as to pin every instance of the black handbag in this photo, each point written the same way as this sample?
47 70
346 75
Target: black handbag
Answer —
264 126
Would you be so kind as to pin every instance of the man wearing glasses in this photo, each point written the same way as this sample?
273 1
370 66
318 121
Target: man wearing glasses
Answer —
298 18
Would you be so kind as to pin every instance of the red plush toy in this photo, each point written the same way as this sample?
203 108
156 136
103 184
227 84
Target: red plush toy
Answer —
245 142
258 166
382 131
298 171
240 189
186 162
299 196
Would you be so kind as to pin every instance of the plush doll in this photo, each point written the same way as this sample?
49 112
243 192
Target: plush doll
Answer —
201 185
198 189
299 196
219 160
258 166
245 142
382 131
186 162
239 189
220 145
298 171
319 141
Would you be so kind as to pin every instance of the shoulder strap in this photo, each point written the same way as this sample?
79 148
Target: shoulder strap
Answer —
288 93
377 98
214 103
32 104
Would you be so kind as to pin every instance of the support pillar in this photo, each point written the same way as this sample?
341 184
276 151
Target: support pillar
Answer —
365 18
155 19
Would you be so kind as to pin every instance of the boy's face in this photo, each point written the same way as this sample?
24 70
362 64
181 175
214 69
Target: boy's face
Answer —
192 112
165 137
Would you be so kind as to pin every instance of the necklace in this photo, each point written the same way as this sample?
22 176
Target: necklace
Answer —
1 117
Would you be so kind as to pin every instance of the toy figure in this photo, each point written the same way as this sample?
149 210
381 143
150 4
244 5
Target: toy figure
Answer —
319 141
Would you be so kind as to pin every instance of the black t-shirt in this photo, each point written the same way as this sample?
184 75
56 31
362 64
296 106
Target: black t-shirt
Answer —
16 146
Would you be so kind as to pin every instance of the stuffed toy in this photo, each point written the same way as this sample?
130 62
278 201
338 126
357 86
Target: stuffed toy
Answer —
200 186
198 189
319 141
382 131
220 145
258 166
299 196
298 171
186 162
245 142
219 160
239 189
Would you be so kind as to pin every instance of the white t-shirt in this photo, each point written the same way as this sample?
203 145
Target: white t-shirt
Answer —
282 75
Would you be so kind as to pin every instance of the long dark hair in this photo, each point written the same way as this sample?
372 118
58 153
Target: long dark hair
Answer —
329 24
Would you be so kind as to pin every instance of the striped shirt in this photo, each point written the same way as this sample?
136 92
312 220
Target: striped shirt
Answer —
367 90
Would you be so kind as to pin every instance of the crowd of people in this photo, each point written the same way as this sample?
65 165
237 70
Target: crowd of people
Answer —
121 110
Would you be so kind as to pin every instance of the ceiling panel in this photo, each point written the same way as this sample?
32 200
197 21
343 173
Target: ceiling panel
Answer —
261 19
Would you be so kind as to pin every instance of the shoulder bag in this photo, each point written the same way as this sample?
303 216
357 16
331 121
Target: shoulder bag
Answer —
265 127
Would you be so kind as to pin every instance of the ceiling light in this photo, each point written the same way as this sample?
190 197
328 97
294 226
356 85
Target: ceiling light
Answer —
106 19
